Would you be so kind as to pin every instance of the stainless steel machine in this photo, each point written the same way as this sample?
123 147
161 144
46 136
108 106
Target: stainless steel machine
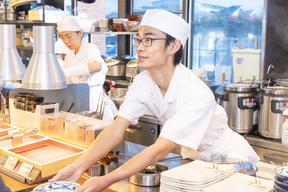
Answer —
145 132
272 103
238 100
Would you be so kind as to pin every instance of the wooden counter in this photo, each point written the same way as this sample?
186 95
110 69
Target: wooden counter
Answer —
17 186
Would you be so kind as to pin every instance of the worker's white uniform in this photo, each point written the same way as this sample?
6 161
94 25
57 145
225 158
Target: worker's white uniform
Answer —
76 71
190 116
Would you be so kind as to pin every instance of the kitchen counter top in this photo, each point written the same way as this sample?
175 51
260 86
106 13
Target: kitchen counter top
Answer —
265 170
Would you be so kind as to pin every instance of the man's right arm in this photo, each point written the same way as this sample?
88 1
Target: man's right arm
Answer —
106 141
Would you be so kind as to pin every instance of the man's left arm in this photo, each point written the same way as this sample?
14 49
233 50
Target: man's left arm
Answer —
148 156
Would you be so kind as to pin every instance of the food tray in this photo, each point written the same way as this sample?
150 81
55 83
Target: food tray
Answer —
45 151
6 144
4 129
48 155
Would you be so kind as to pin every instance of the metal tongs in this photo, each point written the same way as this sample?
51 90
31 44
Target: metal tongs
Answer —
98 114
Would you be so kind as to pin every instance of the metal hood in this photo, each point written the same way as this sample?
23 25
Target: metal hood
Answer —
11 66
44 71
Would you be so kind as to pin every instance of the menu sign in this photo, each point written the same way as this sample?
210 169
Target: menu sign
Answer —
11 162
25 169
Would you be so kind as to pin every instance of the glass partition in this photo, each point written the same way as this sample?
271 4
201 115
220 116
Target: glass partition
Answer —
219 26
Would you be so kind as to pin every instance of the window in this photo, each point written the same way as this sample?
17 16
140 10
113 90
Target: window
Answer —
218 27
102 9
140 6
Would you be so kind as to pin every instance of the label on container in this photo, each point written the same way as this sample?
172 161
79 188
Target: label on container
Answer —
25 169
278 106
11 163
246 103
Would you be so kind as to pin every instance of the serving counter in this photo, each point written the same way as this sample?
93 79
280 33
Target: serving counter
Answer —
264 171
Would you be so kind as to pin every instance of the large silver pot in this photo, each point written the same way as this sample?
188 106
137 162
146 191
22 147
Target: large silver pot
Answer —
118 96
241 106
132 69
149 177
116 69
274 101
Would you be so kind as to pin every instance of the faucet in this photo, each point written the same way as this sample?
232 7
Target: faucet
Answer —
267 73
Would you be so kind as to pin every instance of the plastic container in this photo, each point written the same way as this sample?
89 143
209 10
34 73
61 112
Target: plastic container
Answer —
246 63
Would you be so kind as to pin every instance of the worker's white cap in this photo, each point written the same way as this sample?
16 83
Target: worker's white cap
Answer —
167 22
68 23
61 48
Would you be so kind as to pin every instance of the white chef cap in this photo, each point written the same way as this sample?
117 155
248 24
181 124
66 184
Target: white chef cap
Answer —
166 22
68 23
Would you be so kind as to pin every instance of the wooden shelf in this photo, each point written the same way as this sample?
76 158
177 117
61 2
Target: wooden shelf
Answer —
28 23
114 33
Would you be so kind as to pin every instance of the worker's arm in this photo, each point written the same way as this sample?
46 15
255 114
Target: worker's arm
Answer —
151 154
82 69
107 140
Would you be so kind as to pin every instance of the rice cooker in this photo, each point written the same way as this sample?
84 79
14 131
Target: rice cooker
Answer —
274 101
240 106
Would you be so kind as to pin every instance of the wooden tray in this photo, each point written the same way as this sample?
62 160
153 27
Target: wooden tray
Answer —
48 155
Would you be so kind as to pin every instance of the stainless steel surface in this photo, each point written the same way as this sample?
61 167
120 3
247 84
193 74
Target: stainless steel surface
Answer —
44 71
270 151
145 132
11 66
270 115
241 106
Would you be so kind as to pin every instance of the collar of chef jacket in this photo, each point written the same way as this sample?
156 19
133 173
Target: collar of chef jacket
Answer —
163 103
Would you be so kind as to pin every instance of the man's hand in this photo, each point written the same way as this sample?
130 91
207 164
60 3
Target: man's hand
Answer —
69 173
94 184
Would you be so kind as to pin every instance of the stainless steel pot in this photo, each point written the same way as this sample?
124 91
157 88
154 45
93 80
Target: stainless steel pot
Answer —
149 177
116 69
117 95
241 106
274 101
132 69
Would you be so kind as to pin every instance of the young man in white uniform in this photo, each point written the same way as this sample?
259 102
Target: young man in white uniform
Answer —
177 97
84 64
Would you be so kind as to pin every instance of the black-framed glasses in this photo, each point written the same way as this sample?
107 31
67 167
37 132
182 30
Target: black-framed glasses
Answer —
146 41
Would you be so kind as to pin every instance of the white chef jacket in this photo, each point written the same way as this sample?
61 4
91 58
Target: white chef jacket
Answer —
190 116
88 52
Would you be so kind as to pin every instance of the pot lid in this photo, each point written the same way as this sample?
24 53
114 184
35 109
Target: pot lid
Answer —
132 63
282 82
241 87
111 62
276 90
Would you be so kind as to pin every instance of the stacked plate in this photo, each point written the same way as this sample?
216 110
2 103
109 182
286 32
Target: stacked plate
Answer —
241 183
281 179
194 176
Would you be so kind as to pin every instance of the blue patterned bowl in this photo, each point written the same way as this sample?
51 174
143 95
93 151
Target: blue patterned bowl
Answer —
58 186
